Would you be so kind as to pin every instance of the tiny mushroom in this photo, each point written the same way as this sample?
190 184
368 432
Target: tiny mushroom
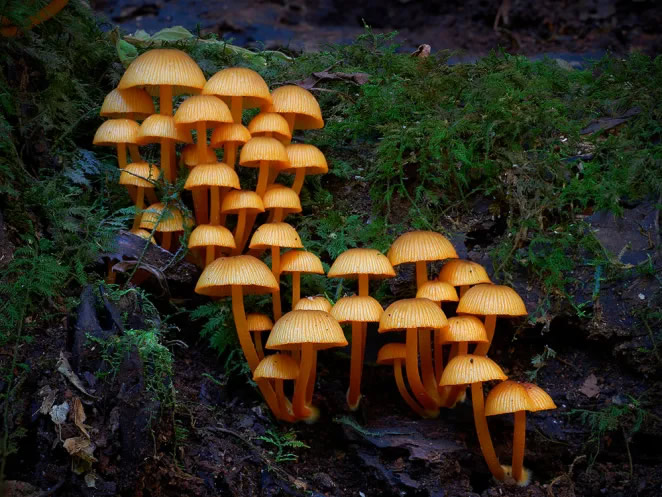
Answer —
240 88
242 203
189 156
281 201
140 175
279 367
272 125
258 324
209 237
215 178
316 303
118 133
230 137
361 264
305 160
462 273
165 220
295 262
161 129
264 153
395 354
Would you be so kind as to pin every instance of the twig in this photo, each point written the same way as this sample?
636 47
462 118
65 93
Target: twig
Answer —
627 448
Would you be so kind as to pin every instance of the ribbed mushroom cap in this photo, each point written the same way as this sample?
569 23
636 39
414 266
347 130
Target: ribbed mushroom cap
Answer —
390 353
259 322
298 327
262 148
437 291
507 397
270 122
300 261
218 174
202 108
139 174
317 303
229 133
281 197
492 300
116 131
190 156
466 369
357 261
275 235
277 367
357 309
464 329
239 200
158 126
291 99
164 66
206 235
304 156
239 82
134 102
143 234
171 220
539 399
242 270
420 246
412 313
459 272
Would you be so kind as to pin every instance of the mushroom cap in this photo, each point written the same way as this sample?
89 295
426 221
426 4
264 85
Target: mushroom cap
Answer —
304 156
460 272
133 103
437 291
259 322
206 235
164 66
277 367
466 369
239 82
202 108
540 400
412 313
390 353
306 327
229 133
262 148
281 197
317 303
292 99
270 122
275 235
190 156
171 221
218 174
357 309
357 261
300 261
143 234
241 270
492 300
239 200
507 397
158 126
464 329
420 246
139 174
115 131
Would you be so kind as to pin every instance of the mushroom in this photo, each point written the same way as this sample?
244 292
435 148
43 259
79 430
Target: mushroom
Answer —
358 311
165 220
305 160
295 262
317 303
275 236
208 237
46 12
161 129
189 156
240 88
361 264
139 175
474 370
413 315
517 398
143 234
243 203
236 277
118 133
463 274
279 367
264 153
258 324
230 137
491 301
395 354
212 177
271 125
308 331
281 201
298 106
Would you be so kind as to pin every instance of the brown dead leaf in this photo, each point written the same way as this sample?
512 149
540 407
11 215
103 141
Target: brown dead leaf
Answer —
358 78
422 51
79 416
80 447
605 123
64 367
48 399
590 387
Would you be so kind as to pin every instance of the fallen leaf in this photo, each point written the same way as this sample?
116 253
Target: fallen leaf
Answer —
358 78
48 399
80 447
64 367
422 51
79 416
59 413
605 123
590 387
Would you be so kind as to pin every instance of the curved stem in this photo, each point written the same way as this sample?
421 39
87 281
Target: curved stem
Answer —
483 432
201 140
236 108
413 376
166 240
356 366
140 205
275 269
200 204
165 100
296 288
298 180
438 355
310 388
262 177
283 403
215 206
364 285
257 338
239 232
427 369
301 410
490 326
519 440
241 324
230 154
210 254
421 274
402 388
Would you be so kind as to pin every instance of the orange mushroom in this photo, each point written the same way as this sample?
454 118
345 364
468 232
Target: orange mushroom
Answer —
161 129
305 160
243 203
278 368
139 175
215 178
165 220
271 125
209 237
280 201
395 354
258 324
463 274
298 106
295 262
240 88
230 137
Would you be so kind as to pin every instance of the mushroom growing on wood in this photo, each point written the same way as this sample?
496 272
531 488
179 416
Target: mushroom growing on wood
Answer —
278 368
395 354
463 274
295 262
240 88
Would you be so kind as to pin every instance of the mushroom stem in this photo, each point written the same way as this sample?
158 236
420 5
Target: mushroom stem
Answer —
275 269
364 285
463 290
283 403
519 439
483 431
411 364
215 207
166 240
310 388
301 410
438 355
421 274
239 232
210 254
354 392
257 338
262 178
490 326
289 117
121 155
140 205
456 390
296 288
135 153
278 214
236 108
230 154
165 100
201 140
427 369
200 204
166 162
298 180
402 388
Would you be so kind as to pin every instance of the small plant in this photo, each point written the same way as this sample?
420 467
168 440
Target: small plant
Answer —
539 361
283 444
